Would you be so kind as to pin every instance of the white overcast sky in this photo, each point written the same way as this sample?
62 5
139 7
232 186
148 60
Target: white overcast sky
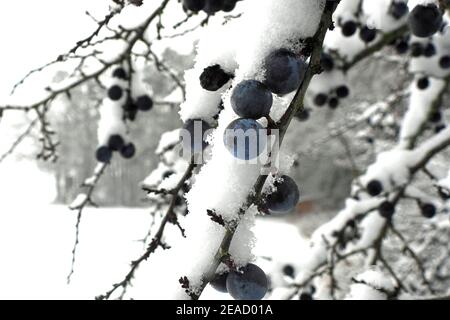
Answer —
33 32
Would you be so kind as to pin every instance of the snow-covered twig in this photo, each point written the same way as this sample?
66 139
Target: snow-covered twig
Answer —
360 209
80 77
79 204
295 106
19 139
413 254
386 39
355 121
157 240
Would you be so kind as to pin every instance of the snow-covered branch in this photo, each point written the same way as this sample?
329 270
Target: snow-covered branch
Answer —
157 239
225 242
386 181
79 204
90 65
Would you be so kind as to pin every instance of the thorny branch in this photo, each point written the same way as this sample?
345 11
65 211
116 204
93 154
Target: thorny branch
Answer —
385 39
415 257
80 77
19 139
443 139
294 107
157 241
80 204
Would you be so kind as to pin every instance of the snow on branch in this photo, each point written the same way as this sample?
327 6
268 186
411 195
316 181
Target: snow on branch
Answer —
79 204
90 64
393 171
237 187
157 239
